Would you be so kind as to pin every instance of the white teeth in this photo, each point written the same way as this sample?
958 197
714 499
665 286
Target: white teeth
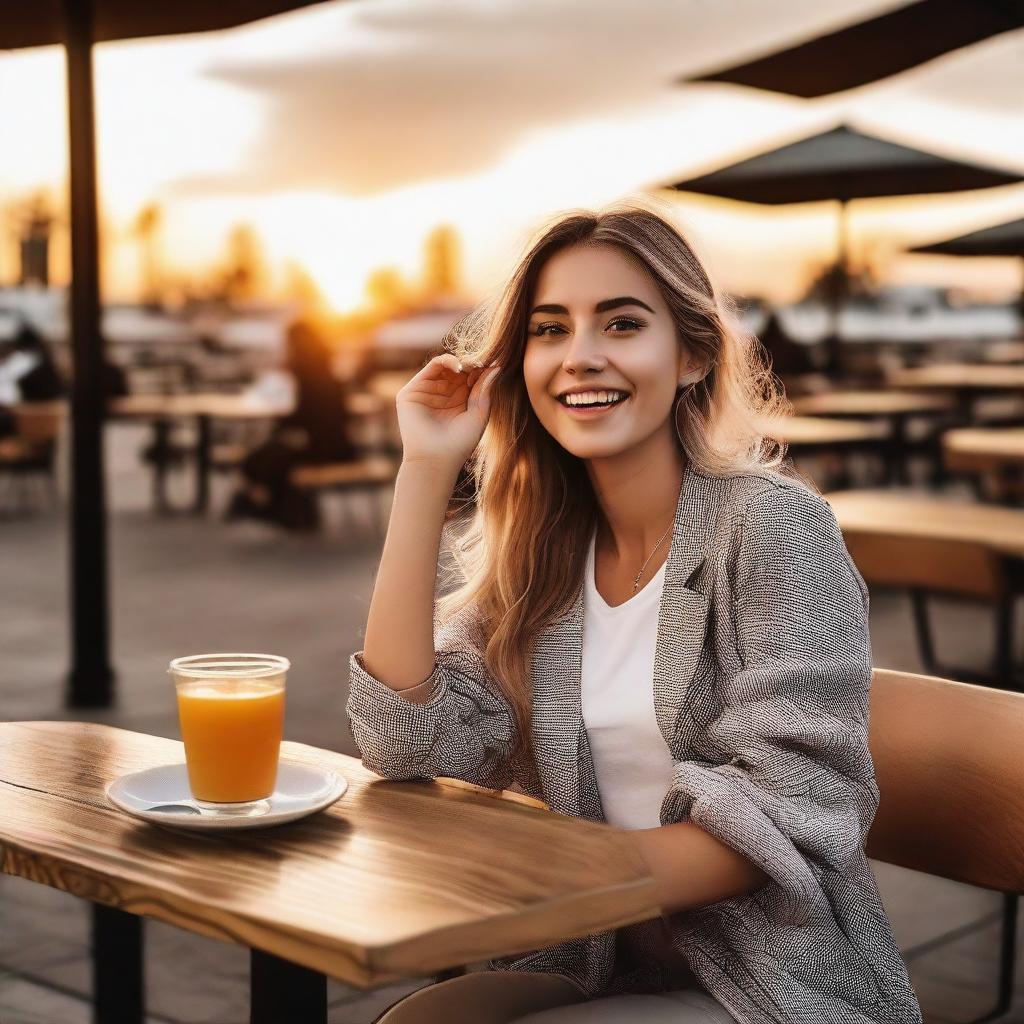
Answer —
592 397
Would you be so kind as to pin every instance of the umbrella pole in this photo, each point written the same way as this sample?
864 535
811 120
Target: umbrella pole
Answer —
838 290
91 677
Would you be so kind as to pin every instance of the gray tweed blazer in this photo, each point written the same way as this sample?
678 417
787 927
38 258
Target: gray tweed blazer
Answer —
761 677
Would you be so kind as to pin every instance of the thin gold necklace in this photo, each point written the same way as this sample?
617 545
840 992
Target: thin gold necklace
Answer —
636 582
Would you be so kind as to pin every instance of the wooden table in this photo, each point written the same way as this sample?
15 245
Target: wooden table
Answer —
900 514
893 407
1009 351
929 544
984 450
397 879
993 457
817 435
968 382
204 408
960 377
871 404
813 432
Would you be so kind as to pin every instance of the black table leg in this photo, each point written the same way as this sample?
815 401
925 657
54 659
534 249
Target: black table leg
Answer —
161 458
203 443
117 966
898 451
285 993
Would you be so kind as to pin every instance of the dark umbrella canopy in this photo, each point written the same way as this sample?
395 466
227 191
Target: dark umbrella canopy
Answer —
999 240
843 164
877 48
40 22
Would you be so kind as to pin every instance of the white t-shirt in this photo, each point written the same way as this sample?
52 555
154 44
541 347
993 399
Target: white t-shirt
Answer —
631 759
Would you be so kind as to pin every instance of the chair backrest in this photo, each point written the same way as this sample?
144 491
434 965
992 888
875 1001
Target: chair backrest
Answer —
949 760
957 567
39 423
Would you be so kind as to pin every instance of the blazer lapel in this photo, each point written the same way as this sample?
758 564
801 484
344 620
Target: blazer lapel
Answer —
558 716
564 761
682 617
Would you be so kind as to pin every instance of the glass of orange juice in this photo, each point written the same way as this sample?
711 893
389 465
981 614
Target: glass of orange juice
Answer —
231 711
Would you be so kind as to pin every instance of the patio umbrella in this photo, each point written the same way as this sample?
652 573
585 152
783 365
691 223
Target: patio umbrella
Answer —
999 240
842 164
77 24
876 48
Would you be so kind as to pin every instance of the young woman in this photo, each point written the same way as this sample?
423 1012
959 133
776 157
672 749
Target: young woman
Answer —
656 626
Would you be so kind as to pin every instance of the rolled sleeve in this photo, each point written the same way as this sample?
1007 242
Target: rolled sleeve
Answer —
454 724
794 790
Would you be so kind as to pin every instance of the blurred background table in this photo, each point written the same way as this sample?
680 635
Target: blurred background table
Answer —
203 409
895 408
830 441
993 458
935 546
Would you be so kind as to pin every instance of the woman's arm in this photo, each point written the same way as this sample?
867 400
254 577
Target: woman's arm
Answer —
442 413
692 868
421 706
792 789
402 606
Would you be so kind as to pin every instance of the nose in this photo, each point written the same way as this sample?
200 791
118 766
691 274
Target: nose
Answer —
583 353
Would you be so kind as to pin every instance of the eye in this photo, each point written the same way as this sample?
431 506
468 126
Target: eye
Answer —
629 324
540 329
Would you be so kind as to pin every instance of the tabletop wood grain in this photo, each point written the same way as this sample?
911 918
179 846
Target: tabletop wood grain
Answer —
893 513
397 879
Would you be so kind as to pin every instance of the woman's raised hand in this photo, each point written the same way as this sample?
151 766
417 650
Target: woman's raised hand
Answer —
443 410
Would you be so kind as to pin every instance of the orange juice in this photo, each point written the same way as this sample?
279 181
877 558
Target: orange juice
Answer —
232 732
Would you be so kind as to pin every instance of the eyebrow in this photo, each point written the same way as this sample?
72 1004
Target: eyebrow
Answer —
601 307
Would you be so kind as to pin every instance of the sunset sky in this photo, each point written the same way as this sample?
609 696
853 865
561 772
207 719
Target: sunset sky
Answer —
343 133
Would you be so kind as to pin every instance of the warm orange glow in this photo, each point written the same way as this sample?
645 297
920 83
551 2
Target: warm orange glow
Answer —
171 132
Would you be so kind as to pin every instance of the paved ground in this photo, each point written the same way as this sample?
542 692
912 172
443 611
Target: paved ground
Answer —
180 585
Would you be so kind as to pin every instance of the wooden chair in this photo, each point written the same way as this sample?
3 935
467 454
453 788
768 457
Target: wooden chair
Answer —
957 568
372 474
949 765
31 453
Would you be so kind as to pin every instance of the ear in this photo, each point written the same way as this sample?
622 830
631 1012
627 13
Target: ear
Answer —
691 371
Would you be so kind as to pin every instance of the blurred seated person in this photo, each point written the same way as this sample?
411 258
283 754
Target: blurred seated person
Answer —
115 379
316 432
28 373
794 363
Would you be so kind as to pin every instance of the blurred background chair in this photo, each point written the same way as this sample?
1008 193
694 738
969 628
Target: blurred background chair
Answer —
925 567
28 457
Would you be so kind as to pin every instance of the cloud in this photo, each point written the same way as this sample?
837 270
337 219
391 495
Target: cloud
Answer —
401 92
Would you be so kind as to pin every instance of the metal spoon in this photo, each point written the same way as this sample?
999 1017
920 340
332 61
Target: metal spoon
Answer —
173 809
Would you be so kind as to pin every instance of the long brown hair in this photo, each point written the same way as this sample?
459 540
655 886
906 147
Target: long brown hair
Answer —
520 557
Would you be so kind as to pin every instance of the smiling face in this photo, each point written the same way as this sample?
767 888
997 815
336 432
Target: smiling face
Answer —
598 322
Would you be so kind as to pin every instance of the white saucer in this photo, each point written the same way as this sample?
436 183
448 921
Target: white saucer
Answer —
301 790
